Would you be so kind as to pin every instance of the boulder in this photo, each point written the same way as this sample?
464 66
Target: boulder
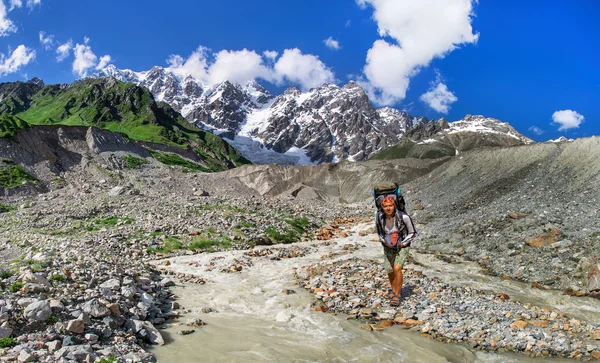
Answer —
76 326
112 284
95 309
79 353
5 332
38 311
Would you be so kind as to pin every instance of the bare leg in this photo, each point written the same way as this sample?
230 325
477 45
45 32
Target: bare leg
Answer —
396 278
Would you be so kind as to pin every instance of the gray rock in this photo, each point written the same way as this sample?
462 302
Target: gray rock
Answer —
34 288
36 278
54 346
112 284
152 334
127 292
25 356
138 357
134 325
92 338
166 282
38 311
95 309
5 332
80 353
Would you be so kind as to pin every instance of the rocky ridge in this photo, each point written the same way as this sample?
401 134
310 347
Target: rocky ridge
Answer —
325 124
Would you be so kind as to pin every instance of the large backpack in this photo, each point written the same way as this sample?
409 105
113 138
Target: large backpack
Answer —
385 189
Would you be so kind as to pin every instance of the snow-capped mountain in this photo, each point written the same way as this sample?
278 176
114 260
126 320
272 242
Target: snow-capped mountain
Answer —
561 139
325 124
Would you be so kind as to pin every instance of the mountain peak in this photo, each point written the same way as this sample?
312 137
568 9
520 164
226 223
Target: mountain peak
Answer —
37 81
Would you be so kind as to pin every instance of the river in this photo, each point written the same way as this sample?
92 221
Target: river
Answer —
253 320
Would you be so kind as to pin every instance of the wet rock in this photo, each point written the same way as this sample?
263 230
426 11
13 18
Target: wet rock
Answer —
166 282
187 332
196 322
151 334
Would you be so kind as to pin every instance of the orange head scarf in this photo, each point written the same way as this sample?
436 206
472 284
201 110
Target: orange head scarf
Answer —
387 200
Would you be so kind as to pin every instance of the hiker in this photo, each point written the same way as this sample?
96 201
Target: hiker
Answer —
396 230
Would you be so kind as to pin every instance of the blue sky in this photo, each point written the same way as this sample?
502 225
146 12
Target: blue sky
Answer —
534 64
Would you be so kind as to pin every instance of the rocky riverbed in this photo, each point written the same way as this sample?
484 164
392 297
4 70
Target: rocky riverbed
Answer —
74 279
484 320
75 283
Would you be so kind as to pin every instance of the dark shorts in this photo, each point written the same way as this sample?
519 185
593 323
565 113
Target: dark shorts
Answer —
393 257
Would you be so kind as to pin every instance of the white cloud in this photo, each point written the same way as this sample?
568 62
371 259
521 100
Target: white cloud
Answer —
536 130
332 43
195 65
238 67
46 40
63 50
439 97
245 65
418 31
20 57
567 119
104 61
85 59
6 25
304 69
15 4
32 3
19 3
270 54
348 23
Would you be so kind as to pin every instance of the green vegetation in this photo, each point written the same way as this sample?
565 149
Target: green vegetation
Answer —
299 224
13 176
288 236
52 319
176 160
10 125
133 162
6 161
206 241
57 278
108 359
8 342
36 266
116 106
16 286
170 244
4 274
6 208
97 224
409 149
396 151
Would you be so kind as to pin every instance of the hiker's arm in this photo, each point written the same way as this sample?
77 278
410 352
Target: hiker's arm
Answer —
379 228
410 229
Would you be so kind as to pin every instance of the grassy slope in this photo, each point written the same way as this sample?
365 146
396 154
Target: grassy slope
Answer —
119 107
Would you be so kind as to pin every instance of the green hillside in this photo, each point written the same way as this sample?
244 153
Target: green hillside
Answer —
111 105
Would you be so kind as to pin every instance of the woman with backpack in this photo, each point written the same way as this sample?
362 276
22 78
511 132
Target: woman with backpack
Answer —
396 230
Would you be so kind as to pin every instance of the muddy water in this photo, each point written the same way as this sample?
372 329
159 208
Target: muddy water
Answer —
254 321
